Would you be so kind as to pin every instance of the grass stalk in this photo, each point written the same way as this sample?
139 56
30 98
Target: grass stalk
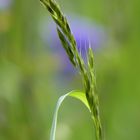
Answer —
87 71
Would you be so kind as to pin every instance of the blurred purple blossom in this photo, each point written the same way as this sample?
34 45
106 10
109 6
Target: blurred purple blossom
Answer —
5 4
84 32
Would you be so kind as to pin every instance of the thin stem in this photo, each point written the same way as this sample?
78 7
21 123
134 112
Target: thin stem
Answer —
69 44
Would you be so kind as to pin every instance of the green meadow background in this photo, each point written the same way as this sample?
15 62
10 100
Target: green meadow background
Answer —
30 82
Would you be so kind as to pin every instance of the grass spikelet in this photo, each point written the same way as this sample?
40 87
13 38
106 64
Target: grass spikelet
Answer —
87 72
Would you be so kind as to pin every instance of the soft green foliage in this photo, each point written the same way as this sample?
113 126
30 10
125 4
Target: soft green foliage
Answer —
75 94
87 72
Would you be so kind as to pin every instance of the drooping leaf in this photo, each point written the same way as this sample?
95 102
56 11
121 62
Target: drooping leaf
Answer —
75 94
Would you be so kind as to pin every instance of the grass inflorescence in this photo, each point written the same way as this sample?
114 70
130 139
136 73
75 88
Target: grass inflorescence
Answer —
86 69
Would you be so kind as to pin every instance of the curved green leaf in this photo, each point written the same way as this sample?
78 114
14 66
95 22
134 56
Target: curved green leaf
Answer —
75 94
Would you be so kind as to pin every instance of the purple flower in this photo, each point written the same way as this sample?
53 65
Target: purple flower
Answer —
4 4
84 32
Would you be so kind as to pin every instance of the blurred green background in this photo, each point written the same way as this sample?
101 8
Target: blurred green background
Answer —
30 80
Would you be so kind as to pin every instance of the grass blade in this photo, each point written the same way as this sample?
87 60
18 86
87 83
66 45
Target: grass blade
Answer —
75 94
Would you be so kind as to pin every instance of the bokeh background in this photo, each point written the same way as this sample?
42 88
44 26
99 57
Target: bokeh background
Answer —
34 70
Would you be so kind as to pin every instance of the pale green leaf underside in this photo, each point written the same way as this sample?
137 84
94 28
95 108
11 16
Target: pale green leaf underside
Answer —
75 94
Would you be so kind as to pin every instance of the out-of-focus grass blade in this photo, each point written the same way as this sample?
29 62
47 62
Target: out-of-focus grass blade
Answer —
75 94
